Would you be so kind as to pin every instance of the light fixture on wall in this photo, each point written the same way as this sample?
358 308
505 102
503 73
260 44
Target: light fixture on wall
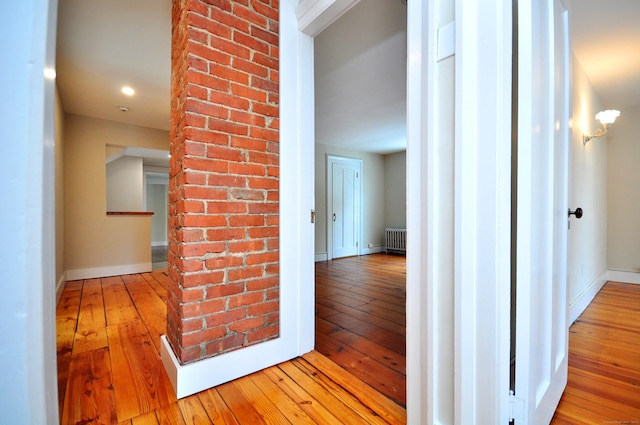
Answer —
606 118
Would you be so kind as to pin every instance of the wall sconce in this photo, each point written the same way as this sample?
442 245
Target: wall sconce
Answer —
606 118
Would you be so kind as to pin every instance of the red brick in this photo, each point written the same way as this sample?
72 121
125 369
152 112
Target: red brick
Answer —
221 207
263 334
206 108
247 169
245 299
246 246
203 221
203 336
224 234
226 317
229 19
200 249
266 283
228 127
224 153
262 208
247 194
267 257
245 273
206 165
247 143
263 183
201 308
200 279
225 344
249 15
248 93
247 324
224 290
222 180
263 308
222 262
265 36
263 232
206 193
246 220
207 136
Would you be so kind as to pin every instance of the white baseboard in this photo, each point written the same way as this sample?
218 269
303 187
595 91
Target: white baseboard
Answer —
60 286
584 299
323 256
198 376
161 243
622 276
108 271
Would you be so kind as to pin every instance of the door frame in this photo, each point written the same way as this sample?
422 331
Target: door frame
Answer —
330 160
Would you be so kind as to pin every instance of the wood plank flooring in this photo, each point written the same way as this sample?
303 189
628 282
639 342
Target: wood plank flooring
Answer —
361 321
604 361
109 370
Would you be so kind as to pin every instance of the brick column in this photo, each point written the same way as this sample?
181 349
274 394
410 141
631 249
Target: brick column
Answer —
223 191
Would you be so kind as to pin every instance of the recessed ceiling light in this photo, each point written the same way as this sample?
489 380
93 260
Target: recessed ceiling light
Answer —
128 91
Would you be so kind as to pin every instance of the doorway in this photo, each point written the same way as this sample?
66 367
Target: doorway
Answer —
360 160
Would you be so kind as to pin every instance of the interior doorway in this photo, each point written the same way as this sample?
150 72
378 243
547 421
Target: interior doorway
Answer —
360 168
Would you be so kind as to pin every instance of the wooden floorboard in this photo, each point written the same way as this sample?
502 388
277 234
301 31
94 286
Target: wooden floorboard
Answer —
361 320
604 361
109 368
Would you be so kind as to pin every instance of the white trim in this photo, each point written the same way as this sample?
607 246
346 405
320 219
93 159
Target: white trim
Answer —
160 243
322 256
483 58
425 392
316 15
623 276
200 375
60 286
108 271
584 299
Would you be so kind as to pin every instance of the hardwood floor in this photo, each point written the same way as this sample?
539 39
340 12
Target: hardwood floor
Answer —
604 361
361 321
109 370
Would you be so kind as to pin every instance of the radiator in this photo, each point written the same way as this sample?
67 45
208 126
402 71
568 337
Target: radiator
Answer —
396 240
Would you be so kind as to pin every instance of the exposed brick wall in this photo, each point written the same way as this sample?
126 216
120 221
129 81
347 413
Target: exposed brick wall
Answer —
223 200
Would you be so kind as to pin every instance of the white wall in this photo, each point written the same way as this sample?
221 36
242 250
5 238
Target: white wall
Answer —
587 257
623 200
59 149
157 201
97 244
27 112
395 190
373 196
125 183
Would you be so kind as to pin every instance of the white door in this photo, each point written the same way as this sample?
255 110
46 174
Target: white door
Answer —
343 206
542 192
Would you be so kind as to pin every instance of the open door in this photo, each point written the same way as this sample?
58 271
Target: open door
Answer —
542 205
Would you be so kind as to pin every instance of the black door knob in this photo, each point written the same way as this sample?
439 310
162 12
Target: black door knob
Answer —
577 212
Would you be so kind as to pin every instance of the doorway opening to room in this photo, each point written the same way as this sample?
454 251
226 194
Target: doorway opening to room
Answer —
360 190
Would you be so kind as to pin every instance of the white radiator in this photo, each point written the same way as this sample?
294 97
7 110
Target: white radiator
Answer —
396 240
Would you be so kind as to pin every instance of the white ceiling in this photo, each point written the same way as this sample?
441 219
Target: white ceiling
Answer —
360 64
360 74
106 44
606 42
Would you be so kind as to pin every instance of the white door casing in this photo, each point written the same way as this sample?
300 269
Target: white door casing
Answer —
543 149
344 189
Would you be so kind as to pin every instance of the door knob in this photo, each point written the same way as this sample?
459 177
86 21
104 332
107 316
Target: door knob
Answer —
577 212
